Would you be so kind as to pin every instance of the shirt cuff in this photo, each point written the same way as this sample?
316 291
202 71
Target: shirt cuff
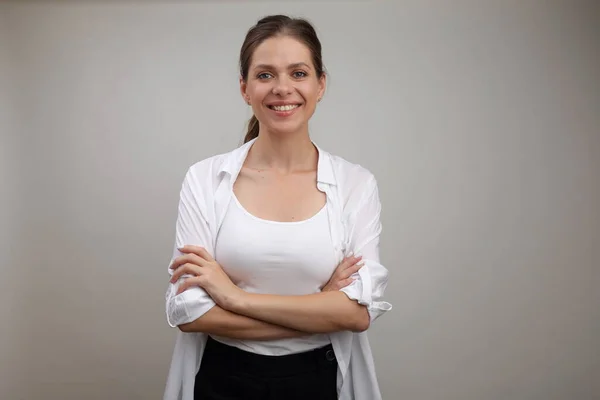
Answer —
362 291
188 306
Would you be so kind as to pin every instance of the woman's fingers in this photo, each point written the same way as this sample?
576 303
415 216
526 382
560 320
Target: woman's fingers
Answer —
197 250
350 261
188 268
352 270
192 261
346 263
345 282
188 283
187 258
342 275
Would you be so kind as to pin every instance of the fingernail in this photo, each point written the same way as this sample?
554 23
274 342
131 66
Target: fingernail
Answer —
350 254
359 255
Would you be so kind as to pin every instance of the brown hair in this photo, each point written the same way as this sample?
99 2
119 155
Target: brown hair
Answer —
271 26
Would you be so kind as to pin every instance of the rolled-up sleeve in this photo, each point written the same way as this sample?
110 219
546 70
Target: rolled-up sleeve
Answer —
364 232
191 229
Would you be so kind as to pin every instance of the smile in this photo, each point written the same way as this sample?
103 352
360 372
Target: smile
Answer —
288 107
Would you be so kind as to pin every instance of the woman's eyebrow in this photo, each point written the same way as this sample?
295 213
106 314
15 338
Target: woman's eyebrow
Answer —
291 66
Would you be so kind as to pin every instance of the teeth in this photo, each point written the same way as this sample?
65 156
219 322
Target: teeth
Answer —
284 108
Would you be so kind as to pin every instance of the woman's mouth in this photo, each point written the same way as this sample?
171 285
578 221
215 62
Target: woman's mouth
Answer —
287 107
284 110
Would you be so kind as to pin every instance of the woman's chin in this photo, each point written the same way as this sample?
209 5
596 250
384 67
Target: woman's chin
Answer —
287 128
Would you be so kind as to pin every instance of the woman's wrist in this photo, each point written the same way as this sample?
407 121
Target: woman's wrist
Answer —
237 303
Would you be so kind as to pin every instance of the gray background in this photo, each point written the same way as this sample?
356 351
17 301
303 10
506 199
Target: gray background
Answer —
480 120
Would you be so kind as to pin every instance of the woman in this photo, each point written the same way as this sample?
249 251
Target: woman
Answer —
269 298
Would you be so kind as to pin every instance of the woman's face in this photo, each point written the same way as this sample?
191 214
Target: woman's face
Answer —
282 85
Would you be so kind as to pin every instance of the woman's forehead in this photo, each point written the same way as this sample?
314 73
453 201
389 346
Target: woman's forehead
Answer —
281 52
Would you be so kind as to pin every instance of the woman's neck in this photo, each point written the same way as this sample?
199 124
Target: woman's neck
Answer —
283 153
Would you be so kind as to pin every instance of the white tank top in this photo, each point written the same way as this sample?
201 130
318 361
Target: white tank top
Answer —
271 257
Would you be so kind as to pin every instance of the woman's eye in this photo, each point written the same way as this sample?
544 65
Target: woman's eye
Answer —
264 75
299 74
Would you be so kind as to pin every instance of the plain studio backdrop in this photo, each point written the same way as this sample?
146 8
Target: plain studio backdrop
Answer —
480 120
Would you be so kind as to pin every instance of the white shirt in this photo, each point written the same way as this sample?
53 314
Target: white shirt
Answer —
272 257
354 210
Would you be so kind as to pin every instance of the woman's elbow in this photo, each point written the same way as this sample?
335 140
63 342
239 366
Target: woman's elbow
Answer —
361 320
203 324
190 327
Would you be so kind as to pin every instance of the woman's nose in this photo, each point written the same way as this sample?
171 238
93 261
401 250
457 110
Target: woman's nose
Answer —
282 87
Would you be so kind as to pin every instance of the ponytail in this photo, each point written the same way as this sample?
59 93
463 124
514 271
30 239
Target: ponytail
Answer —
252 129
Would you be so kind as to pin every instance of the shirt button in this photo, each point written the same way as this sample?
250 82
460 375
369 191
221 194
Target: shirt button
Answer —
330 355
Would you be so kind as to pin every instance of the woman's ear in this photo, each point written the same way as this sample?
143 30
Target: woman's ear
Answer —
322 85
243 87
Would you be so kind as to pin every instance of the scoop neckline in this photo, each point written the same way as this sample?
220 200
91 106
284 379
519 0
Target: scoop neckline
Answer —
269 221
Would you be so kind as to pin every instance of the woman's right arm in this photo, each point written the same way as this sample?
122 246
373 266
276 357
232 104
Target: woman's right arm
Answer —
194 310
220 322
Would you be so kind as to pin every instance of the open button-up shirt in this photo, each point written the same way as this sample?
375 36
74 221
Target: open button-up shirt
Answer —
354 211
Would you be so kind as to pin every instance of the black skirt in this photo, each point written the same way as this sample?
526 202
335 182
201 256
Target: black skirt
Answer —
228 373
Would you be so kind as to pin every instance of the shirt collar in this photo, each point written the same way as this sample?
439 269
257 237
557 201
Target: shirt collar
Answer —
235 159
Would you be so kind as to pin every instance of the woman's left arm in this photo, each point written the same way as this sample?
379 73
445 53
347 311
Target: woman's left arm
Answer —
315 313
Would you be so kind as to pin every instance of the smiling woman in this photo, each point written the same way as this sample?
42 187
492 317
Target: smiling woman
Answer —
276 275
281 69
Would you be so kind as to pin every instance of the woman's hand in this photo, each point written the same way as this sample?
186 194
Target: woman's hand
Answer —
342 275
207 274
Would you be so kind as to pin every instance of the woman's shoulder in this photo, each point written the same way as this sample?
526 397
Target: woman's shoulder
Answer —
206 165
203 176
356 184
351 174
213 165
